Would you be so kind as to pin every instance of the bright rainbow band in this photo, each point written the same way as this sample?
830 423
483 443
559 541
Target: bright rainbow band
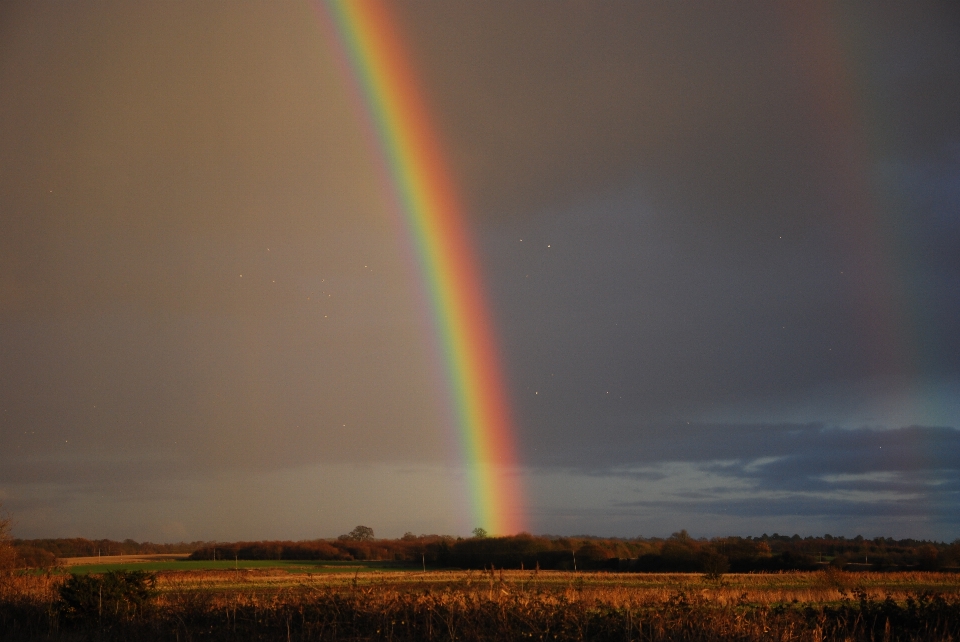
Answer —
434 220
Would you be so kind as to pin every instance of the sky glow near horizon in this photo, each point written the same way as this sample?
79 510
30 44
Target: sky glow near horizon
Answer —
720 244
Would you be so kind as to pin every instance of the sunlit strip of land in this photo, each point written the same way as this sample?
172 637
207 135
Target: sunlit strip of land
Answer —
808 587
83 566
122 560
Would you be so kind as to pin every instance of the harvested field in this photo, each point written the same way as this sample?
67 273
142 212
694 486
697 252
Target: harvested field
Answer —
98 560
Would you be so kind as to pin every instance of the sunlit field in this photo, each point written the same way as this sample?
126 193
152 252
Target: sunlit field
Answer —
356 601
616 588
282 566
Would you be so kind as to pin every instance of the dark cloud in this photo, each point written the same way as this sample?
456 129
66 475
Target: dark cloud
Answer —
612 322
802 449
801 507
722 108
785 179
793 478
805 470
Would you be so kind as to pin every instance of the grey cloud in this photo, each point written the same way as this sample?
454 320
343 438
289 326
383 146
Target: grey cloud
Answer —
787 451
805 470
800 506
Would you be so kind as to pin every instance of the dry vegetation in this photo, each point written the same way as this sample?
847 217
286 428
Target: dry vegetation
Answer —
498 605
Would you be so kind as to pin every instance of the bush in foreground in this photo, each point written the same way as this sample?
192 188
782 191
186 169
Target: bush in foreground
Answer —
117 594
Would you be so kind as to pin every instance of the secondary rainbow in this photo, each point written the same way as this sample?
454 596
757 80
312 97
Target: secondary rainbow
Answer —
425 194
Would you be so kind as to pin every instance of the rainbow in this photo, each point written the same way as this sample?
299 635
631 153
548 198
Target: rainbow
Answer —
427 199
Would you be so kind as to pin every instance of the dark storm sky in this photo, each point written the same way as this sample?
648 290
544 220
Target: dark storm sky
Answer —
721 243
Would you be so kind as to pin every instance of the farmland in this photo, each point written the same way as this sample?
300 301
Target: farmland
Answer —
180 563
353 601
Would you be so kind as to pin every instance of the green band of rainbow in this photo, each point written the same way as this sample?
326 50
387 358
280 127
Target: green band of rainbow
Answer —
436 226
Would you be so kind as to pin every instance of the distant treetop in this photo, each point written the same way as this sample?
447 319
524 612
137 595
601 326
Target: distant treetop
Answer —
359 534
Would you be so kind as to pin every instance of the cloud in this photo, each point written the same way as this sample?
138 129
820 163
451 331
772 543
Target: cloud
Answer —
718 474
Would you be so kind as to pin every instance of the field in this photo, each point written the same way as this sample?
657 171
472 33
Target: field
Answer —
354 601
159 563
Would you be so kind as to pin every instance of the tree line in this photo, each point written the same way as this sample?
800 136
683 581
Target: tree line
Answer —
678 553
45 553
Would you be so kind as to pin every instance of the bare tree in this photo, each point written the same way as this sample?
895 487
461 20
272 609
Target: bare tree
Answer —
8 555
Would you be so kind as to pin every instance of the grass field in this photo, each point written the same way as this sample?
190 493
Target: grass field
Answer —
361 601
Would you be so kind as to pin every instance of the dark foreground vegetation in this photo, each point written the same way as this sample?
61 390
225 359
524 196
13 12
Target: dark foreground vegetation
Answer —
678 553
482 606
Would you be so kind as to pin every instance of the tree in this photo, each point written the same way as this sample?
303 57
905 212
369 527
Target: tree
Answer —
714 565
359 534
479 532
929 557
8 555
763 550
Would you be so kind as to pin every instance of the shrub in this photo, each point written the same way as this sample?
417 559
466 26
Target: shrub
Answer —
117 594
